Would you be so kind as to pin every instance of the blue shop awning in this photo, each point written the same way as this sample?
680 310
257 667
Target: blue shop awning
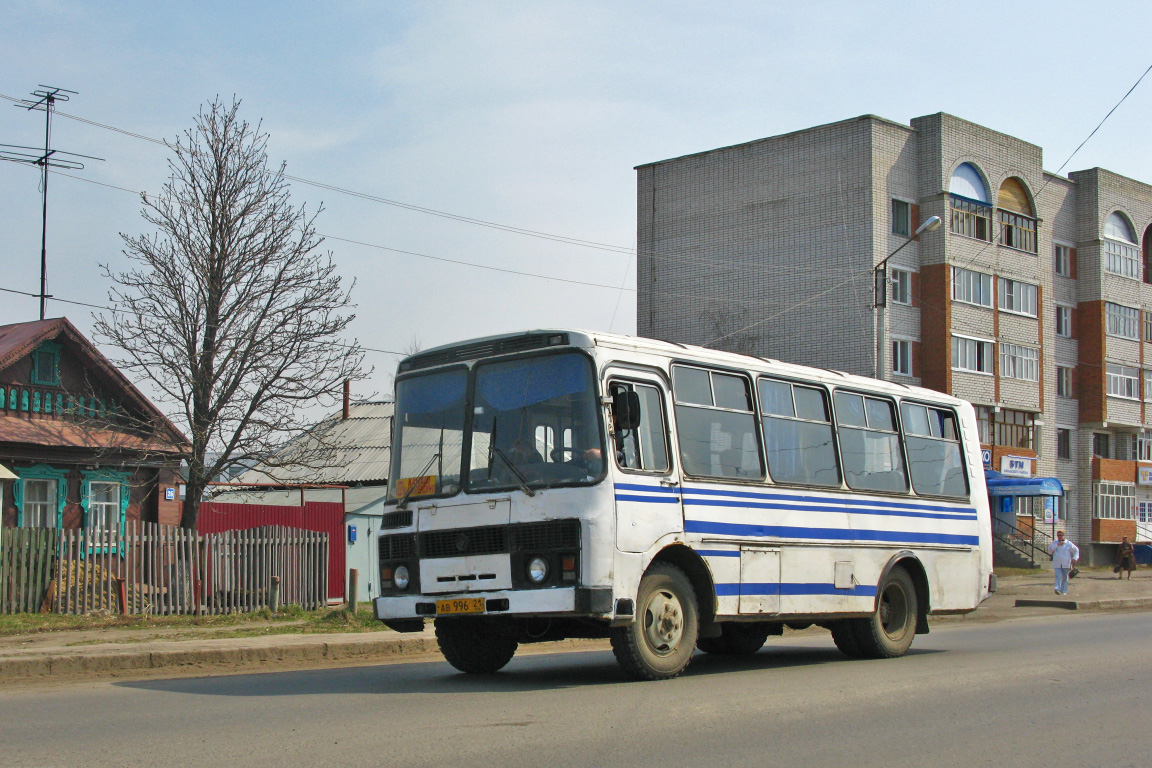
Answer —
1003 485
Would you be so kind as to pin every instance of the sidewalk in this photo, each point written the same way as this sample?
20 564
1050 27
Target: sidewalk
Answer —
143 653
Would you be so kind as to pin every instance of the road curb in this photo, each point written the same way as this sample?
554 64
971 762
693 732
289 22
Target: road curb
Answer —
1087 605
287 653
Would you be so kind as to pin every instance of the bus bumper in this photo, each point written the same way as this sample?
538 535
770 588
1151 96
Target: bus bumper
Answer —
584 601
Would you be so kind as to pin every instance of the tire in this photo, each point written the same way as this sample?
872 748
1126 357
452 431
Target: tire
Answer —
659 644
735 640
844 635
475 645
890 630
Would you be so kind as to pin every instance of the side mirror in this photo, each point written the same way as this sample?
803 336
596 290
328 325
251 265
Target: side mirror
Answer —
626 409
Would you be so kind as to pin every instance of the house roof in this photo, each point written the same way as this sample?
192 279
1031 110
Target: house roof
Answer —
21 339
66 434
361 445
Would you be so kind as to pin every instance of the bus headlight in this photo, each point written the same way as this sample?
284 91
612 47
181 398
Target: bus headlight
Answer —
400 577
537 570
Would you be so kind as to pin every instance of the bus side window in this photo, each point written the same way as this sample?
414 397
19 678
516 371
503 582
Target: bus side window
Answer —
869 443
716 424
644 448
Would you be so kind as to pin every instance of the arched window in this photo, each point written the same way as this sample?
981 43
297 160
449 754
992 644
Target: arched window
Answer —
1017 219
970 213
1121 254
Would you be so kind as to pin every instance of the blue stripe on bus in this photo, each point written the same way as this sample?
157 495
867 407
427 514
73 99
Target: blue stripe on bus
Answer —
848 502
825 534
814 508
649 488
648 499
735 590
718 552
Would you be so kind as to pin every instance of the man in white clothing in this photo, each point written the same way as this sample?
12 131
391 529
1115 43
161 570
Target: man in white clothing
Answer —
1065 554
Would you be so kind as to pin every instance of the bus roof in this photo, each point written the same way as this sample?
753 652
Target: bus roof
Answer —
487 345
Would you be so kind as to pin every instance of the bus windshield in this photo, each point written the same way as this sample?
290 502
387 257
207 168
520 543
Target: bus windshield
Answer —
533 423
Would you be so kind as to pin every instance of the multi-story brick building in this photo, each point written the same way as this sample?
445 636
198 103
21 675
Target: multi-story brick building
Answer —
1033 300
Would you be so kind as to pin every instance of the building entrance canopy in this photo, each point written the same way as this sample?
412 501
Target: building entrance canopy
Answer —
1003 485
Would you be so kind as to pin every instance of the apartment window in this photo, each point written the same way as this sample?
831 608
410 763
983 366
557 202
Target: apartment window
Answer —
901 218
1148 324
902 357
984 424
971 354
1017 231
1144 446
970 218
1063 381
1148 384
1116 501
1013 428
1017 362
1101 445
1064 321
1122 321
1121 259
1063 260
1017 297
1063 443
971 287
901 286
1123 381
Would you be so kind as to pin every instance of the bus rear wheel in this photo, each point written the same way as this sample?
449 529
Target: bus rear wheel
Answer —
475 645
888 633
735 640
659 644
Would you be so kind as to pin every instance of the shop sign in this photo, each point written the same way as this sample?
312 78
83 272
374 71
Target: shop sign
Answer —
986 457
1144 476
1016 466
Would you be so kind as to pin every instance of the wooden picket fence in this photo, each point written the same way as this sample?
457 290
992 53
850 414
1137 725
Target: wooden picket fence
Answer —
150 569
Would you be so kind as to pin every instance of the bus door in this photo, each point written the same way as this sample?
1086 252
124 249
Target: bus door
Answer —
647 487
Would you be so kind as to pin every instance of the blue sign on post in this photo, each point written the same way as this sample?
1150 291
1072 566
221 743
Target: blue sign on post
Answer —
986 457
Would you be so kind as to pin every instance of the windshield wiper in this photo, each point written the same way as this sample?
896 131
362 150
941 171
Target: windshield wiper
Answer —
400 504
519 475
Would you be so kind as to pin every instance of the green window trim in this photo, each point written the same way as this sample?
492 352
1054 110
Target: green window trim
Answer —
104 476
51 351
41 472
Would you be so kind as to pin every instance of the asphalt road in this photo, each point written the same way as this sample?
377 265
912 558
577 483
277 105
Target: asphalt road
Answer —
1070 691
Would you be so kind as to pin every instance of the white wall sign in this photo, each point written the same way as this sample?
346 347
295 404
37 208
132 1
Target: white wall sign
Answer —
1144 476
1016 466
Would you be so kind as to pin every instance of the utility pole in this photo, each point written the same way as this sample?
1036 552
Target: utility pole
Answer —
44 100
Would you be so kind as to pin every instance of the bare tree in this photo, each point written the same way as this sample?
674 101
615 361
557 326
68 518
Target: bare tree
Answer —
230 312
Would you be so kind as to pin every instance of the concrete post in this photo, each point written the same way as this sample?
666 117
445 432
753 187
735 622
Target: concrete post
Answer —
274 595
353 590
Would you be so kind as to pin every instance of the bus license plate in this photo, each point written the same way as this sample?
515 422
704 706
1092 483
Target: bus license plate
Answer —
460 605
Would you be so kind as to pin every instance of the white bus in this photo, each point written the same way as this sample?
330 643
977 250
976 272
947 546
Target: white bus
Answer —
559 483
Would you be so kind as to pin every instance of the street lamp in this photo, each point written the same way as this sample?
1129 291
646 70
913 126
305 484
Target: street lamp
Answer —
880 280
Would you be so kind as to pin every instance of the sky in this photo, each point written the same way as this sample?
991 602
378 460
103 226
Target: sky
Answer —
528 115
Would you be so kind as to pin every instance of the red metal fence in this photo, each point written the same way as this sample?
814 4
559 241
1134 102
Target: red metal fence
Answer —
321 516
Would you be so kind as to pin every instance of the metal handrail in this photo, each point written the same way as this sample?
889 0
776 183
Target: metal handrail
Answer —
1024 542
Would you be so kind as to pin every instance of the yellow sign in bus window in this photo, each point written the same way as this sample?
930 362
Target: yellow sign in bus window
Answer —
419 486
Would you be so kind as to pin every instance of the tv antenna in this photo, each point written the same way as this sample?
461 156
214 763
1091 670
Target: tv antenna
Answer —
44 100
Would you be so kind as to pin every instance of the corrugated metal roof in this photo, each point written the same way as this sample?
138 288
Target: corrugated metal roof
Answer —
361 449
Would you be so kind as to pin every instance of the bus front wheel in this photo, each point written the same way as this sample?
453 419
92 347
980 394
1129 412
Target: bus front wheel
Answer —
889 631
659 644
475 645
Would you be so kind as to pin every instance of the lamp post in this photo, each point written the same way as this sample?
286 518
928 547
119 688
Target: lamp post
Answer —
880 299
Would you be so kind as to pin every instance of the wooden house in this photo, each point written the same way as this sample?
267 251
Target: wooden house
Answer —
85 446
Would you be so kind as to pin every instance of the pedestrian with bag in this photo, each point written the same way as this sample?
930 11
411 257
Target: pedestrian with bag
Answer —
1125 559
1065 555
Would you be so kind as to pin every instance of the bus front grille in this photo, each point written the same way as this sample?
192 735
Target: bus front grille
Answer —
499 539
